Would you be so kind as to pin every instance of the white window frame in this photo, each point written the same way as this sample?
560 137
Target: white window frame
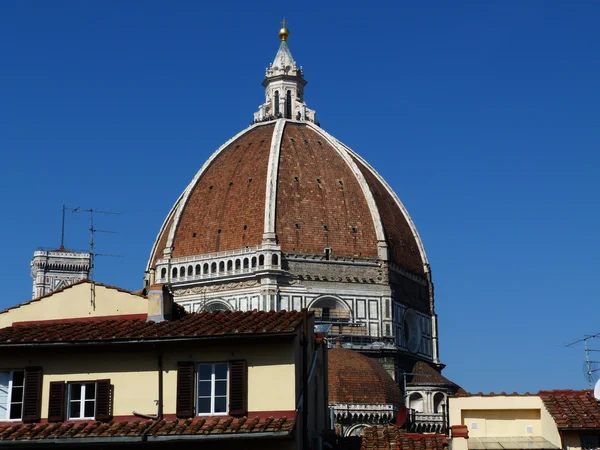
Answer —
82 400
212 389
9 399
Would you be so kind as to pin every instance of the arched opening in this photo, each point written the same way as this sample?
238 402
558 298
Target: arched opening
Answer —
261 260
229 266
222 266
415 401
216 305
174 272
253 262
198 269
181 272
237 264
246 263
205 268
439 402
213 268
276 103
331 309
163 273
275 260
190 271
288 105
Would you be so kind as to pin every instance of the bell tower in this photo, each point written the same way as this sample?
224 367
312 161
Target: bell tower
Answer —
55 269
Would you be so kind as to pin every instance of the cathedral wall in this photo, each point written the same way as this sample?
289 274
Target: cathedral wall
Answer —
77 301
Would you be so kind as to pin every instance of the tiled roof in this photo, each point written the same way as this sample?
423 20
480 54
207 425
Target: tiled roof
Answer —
463 393
358 379
135 428
320 198
390 437
572 409
218 323
83 281
424 374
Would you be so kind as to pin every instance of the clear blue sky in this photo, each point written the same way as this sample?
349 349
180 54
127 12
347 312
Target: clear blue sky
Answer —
482 115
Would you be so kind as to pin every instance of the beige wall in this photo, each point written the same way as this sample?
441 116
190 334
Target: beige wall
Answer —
76 302
483 423
501 416
134 375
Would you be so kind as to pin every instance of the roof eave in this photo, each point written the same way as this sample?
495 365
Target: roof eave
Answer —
134 439
113 342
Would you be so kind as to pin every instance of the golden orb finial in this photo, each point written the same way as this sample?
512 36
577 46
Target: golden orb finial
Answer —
284 32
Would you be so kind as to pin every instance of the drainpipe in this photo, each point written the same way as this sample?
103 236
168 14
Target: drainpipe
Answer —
159 414
305 444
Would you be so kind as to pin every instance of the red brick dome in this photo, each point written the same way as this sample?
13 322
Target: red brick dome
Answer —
357 379
295 183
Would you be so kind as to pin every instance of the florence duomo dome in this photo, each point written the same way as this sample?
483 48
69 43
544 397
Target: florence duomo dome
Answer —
284 216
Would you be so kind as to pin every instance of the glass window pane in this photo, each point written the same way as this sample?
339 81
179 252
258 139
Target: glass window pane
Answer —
220 404
18 377
204 389
75 390
88 410
90 391
3 411
220 387
4 376
221 371
17 395
15 410
204 406
75 410
204 371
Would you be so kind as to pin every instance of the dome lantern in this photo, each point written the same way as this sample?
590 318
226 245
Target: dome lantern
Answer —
284 87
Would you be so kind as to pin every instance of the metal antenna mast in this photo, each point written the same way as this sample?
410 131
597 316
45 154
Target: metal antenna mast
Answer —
590 365
92 250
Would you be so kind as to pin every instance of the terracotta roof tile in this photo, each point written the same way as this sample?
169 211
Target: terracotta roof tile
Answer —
357 379
572 409
463 393
390 437
218 323
424 374
135 428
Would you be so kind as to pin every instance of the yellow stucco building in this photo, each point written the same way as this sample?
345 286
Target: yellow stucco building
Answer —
88 375
557 419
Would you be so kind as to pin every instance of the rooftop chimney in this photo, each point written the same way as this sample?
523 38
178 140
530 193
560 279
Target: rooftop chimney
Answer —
160 303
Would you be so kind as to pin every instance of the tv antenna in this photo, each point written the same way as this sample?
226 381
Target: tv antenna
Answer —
591 367
92 241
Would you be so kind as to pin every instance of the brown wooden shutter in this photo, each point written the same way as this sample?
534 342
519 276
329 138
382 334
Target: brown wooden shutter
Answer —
238 388
103 400
185 389
32 398
56 403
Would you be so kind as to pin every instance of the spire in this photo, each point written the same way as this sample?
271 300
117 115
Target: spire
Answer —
284 86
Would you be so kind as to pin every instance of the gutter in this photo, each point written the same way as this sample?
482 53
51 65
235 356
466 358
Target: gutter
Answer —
145 341
135 439
210 437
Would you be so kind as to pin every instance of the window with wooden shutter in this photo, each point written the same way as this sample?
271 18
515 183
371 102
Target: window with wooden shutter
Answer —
32 397
56 403
103 400
238 388
185 389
